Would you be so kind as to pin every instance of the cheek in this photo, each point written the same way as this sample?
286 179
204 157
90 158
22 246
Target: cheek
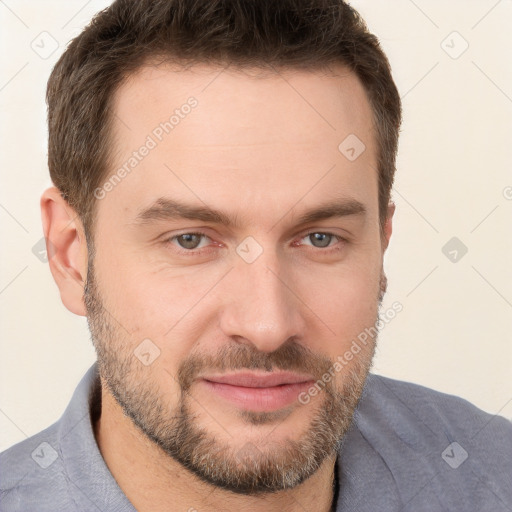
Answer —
161 305
345 300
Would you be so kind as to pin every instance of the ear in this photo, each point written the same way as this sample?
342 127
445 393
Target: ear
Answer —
66 248
388 226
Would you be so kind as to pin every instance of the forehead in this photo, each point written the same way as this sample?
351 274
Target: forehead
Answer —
251 137
260 101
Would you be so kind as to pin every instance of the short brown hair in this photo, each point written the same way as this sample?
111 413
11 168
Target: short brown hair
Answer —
246 33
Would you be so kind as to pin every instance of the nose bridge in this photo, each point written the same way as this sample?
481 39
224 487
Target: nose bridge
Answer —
259 306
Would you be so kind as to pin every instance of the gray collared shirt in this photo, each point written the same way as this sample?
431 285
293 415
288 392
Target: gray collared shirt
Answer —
409 449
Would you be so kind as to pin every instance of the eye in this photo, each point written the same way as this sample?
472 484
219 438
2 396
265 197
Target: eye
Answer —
188 241
321 240
193 242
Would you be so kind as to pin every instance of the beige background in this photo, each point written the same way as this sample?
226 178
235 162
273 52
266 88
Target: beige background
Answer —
454 180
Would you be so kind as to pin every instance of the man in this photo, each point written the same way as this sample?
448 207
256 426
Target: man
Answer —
220 213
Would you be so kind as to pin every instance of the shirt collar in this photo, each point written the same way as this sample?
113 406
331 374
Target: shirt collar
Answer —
91 480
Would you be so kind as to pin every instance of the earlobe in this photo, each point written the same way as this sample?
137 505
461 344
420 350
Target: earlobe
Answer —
66 247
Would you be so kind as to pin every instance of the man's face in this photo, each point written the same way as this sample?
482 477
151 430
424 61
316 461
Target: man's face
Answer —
209 327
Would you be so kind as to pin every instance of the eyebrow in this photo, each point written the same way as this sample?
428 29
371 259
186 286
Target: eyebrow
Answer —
165 209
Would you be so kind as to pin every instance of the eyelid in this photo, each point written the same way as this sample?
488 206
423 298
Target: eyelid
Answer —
183 251
339 238
171 239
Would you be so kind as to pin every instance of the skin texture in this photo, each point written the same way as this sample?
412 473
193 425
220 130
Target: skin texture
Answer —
263 149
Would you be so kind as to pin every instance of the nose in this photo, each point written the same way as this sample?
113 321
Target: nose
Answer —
261 307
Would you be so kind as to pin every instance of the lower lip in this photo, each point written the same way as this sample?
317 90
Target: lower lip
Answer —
258 399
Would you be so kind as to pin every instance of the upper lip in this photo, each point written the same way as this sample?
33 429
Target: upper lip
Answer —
258 379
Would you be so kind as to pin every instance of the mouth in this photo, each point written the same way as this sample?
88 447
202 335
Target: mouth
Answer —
257 391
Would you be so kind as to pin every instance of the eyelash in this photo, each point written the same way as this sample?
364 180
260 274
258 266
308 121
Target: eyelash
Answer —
182 251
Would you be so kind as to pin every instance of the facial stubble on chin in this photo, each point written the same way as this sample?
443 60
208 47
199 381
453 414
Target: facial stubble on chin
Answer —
260 465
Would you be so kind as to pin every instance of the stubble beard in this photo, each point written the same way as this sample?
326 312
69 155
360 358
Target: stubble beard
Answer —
260 465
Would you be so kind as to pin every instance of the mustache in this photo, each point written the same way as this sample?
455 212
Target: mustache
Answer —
290 356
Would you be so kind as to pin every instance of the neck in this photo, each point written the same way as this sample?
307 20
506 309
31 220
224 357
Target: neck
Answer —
151 479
